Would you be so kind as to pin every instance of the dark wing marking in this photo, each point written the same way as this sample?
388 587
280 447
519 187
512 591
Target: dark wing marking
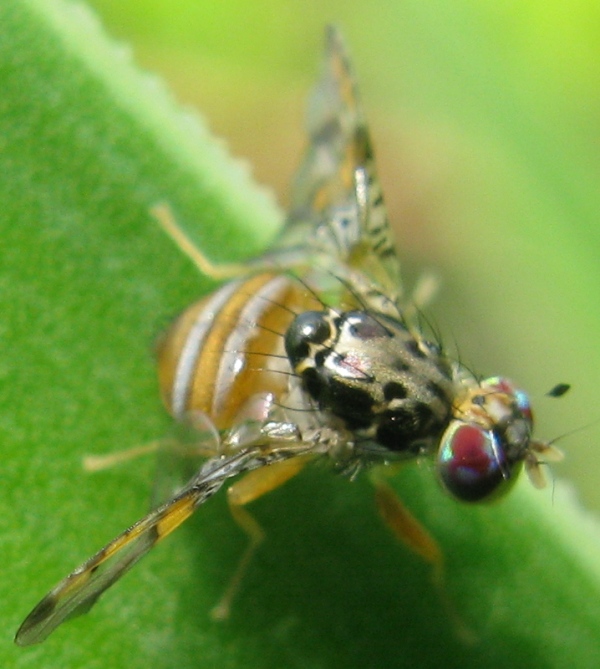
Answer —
337 203
79 591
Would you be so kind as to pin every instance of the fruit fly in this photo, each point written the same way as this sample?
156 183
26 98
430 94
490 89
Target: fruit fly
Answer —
312 351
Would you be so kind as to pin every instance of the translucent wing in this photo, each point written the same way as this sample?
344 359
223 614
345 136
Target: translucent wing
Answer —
78 592
336 200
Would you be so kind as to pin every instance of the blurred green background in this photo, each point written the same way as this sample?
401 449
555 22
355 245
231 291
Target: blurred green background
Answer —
485 122
485 119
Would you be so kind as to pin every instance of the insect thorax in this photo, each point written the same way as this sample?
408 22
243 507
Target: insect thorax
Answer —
392 390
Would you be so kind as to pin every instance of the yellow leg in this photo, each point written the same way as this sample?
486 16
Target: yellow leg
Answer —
167 222
198 438
407 528
424 292
254 485
412 533
96 463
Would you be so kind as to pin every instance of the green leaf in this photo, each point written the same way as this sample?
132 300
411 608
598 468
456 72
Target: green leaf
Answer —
87 145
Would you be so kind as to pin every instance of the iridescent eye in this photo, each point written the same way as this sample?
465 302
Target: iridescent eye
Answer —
472 463
502 385
524 405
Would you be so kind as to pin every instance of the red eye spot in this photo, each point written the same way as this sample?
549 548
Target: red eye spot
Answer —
471 462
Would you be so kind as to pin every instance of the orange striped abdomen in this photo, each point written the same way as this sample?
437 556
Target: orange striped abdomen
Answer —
228 348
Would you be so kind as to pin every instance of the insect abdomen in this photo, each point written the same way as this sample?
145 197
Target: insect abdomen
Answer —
227 348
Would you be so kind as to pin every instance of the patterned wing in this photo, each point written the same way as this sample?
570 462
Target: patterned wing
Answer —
79 591
336 198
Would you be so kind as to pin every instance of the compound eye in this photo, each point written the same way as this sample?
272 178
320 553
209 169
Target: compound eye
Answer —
524 406
310 327
472 464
